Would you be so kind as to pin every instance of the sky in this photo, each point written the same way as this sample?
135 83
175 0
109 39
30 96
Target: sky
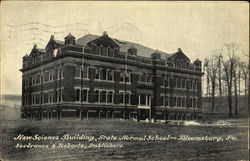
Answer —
198 28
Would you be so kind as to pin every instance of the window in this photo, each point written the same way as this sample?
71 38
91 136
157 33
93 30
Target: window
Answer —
60 73
103 96
50 96
178 83
183 64
33 79
85 72
122 77
183 83
195 85
98 50
110 75
143 99
88 72
51 72
167 81
183 102
104 51
143 78
167 101
96 98
191 102
179 102
127 96
162 100
45 97
174 101
96 73
77 95
148 100
110 97
60 95
77 73
38 78
84 95
121 98
103 74
127 74
110 52
195 102
191 84
148 79
33 99
174 82
46 76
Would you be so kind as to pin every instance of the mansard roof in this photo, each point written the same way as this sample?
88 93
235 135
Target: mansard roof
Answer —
90 39
124 45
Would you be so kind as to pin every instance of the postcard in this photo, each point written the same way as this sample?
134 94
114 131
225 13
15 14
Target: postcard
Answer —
124 80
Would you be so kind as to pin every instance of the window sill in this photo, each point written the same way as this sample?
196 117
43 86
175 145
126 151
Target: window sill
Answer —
99 80
81 78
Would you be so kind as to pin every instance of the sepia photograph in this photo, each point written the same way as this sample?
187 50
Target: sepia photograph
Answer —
124 80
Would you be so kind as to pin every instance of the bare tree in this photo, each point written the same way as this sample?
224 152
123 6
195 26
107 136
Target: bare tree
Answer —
243 68
213 75
207 71
229 67
236 78
219 58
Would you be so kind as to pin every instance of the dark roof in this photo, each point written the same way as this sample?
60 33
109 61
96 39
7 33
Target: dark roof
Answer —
41 50
132 47
86 39
70 36
59 42
124 45
197 60
176 54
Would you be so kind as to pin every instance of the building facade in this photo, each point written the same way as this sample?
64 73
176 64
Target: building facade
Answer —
99 76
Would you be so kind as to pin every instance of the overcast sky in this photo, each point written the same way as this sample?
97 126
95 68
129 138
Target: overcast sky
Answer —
197 28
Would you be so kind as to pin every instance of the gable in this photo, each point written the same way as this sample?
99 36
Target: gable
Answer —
179 56
104 41
52 44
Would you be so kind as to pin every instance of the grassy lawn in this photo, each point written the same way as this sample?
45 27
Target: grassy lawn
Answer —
130 150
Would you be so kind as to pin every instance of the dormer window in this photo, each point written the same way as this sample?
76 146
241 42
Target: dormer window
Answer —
132 50
70 39
55 52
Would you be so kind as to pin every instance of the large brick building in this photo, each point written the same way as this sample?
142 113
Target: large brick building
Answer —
99 76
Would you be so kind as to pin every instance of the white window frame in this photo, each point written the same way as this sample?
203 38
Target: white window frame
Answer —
164 99
146 103
129 98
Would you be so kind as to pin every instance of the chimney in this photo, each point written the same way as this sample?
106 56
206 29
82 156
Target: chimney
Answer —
179 50
105 33
70 39
52 37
